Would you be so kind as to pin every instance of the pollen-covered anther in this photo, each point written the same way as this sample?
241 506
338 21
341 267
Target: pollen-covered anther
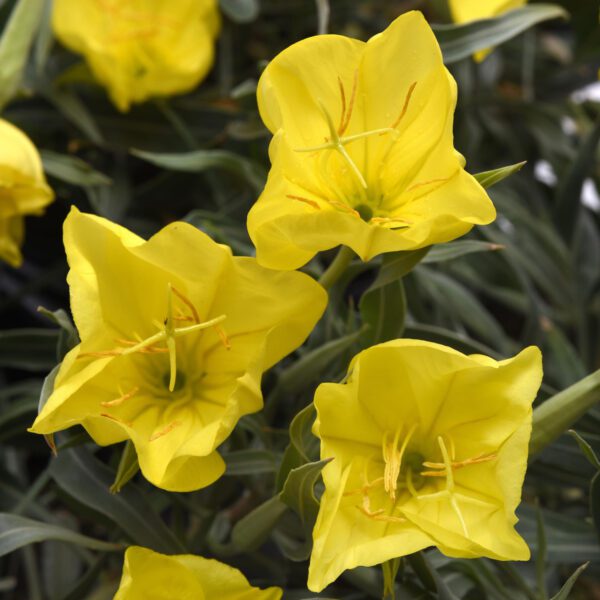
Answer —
409 94
382 220
425 183
123 398
117 420
166 430
392 457
440 469
311 203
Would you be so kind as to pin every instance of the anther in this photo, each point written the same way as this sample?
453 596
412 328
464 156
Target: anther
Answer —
117 420
409 94
165 431
121 399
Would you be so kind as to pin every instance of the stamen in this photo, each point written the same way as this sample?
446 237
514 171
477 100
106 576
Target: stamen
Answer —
121 399
165 431
188 303
343 94
393 460
346 120
430 182
411 89
305 200
117 420
223 336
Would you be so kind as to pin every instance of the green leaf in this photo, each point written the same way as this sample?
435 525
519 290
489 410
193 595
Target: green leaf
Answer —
443 252
558 413
15 44
489 178
309 367
127 469
71 169
303 446
567 207
252 531
540 559
28 349
203 160
298 492
240 11
249 462
17 531
595 502
383 305
461 41
586 449
566 589
68 337
87 480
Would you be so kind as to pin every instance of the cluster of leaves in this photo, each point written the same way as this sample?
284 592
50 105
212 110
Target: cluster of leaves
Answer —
530 278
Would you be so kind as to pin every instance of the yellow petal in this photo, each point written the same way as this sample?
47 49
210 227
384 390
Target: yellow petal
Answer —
464 11
143 50
147 574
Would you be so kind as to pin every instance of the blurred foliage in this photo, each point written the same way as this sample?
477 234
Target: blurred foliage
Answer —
533 277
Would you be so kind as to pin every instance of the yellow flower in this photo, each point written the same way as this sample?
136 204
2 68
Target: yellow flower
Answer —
148 575
464 11
140 48
23 189
175 335
363 151
429 448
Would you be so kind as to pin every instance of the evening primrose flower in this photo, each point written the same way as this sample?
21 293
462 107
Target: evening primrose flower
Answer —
464 11
148 575
429 448
175 335
23 189
363 149
140 48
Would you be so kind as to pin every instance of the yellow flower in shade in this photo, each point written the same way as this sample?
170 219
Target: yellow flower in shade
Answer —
429 448
23 189
148 575
175 335
140 48
464 11
363 150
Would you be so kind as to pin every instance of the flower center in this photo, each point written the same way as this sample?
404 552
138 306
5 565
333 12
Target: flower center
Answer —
408 469
180 381
366 200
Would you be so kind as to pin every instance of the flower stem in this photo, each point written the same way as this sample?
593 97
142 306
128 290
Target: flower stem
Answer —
337 267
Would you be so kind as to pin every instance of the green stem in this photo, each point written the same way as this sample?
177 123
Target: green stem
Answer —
337 267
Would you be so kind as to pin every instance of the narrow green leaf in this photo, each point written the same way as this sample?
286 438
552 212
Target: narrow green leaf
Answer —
252 531
128 467
461 41
249 462
443 252
298 492
566 589
309 366
87 480
489 178
587 450
68 337
203 160
28 349
540 559
568 195
17 532
557 414
71 169
303 446
595 502
15 44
